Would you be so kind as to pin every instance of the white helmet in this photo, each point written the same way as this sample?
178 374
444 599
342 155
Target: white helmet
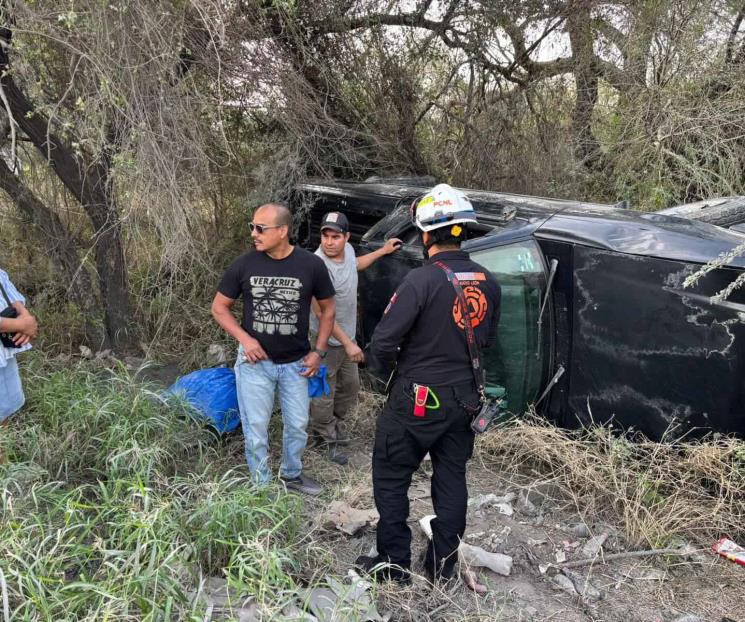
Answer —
441 207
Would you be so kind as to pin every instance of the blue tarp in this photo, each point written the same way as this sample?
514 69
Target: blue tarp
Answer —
211 392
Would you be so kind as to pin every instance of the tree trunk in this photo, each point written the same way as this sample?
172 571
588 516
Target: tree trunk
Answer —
54 239
587 148
89 184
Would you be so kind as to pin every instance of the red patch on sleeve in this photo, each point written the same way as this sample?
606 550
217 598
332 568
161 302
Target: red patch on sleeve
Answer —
391 303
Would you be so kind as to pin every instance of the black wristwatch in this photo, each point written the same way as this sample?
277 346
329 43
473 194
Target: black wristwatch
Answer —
321 353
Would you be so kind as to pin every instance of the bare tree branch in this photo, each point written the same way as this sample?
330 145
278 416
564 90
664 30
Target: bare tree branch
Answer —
730 47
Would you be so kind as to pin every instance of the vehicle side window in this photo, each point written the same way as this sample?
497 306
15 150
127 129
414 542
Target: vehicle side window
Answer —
411 237
516 361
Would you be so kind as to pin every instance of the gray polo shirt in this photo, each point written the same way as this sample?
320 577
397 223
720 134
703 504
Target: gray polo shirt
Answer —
344 277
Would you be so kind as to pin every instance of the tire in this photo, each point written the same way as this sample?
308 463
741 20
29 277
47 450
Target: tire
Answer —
724 212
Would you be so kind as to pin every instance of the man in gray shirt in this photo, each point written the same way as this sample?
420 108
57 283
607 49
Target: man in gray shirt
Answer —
327 413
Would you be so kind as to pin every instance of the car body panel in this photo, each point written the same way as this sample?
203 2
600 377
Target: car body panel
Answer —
637 348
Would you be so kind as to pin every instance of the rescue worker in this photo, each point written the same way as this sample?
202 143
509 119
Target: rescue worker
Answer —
422 332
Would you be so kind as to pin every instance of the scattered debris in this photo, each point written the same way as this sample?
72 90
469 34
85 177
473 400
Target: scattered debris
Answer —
503 504
627 555
293 613
649 574
472 583
525 505
425 523
86 352
564 583
217 354
560 556
347 519
689 617
594 545
322 603
220 601
356 595
730 550
343 601
579 530
540 492
474 555
583 586
693 553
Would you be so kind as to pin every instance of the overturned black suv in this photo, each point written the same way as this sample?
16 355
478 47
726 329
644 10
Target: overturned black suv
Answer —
596 324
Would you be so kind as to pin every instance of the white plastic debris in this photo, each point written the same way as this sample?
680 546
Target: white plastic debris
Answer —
474 555
564 583
425 524
503 503
593 546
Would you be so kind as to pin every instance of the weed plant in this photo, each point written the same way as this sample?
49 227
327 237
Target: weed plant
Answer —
659 493
112 507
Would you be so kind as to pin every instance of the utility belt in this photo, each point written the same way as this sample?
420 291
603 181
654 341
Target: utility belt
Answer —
460 390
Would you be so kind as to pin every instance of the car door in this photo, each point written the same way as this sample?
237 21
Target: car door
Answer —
518 363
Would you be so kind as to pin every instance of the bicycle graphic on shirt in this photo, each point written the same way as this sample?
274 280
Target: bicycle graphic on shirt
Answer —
276 302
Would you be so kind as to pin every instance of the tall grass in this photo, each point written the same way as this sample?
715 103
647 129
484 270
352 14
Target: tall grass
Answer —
112 507
658 492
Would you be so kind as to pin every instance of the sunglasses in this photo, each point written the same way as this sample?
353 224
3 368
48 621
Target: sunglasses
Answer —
261 228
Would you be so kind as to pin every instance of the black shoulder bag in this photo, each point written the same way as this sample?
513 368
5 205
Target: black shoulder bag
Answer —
9 312
488 408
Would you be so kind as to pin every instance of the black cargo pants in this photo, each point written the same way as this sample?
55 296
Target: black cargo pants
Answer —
401 442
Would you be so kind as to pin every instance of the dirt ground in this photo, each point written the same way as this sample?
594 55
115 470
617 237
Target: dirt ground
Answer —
698 586
653 589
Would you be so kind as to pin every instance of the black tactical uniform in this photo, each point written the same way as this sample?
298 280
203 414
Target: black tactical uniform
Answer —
424 320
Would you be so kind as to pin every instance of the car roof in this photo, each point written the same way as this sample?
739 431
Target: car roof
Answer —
395 192
576 222
628 232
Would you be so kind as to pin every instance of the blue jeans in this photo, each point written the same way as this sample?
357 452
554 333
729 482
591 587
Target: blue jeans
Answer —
11 391
256 384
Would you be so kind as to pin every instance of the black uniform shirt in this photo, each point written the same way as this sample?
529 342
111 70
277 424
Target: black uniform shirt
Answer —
424 320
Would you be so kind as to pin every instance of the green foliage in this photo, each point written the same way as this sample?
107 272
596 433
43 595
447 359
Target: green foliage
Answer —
113 507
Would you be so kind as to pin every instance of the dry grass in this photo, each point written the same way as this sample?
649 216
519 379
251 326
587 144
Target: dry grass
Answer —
657 492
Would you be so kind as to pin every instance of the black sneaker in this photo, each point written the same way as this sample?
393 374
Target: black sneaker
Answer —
378 569
441 578
303 484
337 455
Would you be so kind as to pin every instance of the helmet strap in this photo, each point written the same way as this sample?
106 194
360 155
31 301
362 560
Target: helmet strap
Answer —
428 245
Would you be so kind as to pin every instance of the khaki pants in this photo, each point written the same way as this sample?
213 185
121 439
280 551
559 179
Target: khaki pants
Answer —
327 413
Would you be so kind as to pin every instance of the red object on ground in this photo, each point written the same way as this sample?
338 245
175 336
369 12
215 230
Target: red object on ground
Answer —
729 549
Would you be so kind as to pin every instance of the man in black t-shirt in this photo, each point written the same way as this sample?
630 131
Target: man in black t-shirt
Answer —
277 282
